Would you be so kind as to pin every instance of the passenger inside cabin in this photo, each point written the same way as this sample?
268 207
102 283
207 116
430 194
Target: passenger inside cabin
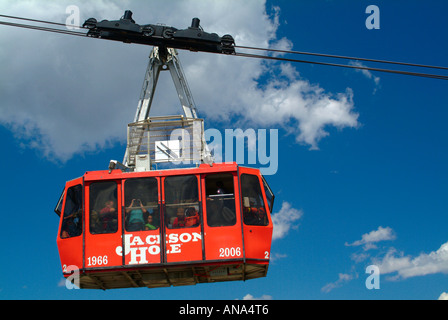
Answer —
253 214
72 225
150 223
65 234
191 217
108 217
220 188
179 221
220 200
95 223
188 217
134 214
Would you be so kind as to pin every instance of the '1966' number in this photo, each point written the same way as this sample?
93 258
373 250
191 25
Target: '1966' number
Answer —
94 261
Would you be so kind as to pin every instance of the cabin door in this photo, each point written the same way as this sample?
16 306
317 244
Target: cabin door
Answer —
223 234
103 224
257 225
142 221
182 219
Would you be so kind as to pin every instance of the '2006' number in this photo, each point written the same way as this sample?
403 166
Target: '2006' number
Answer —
230 252
97 261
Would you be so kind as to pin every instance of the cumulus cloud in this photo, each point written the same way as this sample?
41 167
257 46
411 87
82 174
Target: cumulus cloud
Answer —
342 278
284 220
66 95
406 266
392 262
368 240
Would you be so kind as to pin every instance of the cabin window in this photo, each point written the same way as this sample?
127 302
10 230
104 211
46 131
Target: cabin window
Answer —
254 212
103 207
141 204
72 218
182 202
220 200
58 208
269 194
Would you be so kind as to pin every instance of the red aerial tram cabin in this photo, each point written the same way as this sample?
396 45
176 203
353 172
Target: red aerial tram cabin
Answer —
165 227
156 228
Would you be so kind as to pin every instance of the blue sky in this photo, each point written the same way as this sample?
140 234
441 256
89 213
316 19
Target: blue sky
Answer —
366 186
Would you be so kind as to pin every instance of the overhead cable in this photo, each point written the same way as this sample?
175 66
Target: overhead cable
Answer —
418 74
40 21
18 25
249 55
344 57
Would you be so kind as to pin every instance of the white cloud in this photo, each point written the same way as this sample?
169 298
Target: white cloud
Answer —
284 220
359 257
62 282
365 72
368 239
408 266
443 296
251 297
396 264
342 279
276 256
66 95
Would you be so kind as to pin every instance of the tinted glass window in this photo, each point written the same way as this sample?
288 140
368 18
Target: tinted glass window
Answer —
254 212
58 208
103 207
220 200
181 199
72 218
141 204
269 194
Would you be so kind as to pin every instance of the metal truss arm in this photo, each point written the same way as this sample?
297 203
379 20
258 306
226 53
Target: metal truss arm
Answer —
183 91
160 59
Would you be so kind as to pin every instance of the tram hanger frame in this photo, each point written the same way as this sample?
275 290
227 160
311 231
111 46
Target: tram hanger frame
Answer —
162 59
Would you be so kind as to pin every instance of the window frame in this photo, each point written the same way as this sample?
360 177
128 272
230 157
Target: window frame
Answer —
235 204
59 205
145 215
168 217
260 199
80 209
91 209
267 189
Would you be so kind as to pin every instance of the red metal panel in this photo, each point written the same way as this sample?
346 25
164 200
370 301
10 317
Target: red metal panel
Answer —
142 247
183 244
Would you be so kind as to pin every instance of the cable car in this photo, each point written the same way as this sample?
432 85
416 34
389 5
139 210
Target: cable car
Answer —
135 225
165 228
